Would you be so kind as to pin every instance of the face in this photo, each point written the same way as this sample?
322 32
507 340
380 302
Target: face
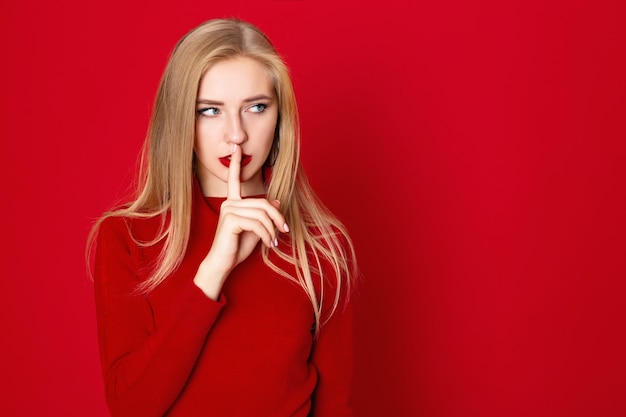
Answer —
236 104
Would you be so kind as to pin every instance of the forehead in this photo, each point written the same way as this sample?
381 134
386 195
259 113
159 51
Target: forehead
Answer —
235 79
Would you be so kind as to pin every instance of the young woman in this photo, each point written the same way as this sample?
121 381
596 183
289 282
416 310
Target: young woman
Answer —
222 288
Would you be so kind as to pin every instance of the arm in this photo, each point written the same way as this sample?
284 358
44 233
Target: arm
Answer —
241 225
144 368
332 356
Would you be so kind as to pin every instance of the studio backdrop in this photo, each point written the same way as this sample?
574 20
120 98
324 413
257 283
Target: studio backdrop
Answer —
474 149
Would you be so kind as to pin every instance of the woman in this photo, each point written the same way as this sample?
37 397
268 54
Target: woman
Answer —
223 287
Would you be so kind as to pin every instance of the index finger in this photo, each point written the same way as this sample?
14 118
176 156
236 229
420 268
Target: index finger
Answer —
234 170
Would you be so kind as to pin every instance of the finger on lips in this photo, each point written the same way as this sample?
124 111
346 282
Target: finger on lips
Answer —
270 213
234 170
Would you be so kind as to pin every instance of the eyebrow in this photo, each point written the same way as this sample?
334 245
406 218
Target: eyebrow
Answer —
248 100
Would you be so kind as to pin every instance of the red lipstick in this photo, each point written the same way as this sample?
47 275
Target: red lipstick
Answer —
245 160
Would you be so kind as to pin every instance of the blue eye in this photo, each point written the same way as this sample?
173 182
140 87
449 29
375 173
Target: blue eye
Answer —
209 111
258 108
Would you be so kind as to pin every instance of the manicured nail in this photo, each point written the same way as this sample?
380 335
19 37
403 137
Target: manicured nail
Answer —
277 202
286 228
275 242
234 148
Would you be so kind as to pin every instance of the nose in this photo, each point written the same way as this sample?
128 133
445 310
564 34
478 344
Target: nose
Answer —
235 131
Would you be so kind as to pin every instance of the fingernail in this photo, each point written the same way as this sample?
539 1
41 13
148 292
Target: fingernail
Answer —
275 242
234 148
286 228
277 202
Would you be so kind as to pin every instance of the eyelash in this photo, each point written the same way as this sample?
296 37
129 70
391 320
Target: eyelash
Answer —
262 106
204 111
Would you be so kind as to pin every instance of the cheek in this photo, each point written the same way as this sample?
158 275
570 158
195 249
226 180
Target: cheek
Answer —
205 135
268 131
201 144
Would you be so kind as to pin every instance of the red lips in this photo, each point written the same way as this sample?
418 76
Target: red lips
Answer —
245 160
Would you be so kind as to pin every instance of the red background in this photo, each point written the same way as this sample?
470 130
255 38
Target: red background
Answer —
474 149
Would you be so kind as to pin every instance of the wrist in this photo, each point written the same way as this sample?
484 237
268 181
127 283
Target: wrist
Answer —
209 279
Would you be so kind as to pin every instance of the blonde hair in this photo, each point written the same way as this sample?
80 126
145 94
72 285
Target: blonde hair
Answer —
165 178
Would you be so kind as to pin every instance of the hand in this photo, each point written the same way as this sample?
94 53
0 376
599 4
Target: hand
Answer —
242 223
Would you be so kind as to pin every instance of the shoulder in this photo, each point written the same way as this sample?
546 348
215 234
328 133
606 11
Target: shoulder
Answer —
134 240
136 228
124 246
111 229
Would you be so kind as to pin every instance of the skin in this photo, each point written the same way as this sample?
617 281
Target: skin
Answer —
236 104
235 124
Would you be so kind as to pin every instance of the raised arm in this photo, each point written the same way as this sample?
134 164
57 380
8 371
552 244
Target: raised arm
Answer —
242 223
145 368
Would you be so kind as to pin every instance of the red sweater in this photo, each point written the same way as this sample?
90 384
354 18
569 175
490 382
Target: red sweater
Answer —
176 352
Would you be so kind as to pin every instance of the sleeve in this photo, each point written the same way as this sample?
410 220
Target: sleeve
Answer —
144 368
333 358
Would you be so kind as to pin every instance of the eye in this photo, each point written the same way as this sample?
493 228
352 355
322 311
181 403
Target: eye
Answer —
258 108
209 111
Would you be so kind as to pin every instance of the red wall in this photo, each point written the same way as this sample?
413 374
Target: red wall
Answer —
475 150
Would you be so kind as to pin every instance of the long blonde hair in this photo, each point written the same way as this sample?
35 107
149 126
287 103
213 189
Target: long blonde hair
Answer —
165 178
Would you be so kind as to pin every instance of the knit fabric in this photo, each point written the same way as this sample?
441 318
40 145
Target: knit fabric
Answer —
176 352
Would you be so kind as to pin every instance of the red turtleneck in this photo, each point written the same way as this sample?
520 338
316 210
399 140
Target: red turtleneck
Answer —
175 352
